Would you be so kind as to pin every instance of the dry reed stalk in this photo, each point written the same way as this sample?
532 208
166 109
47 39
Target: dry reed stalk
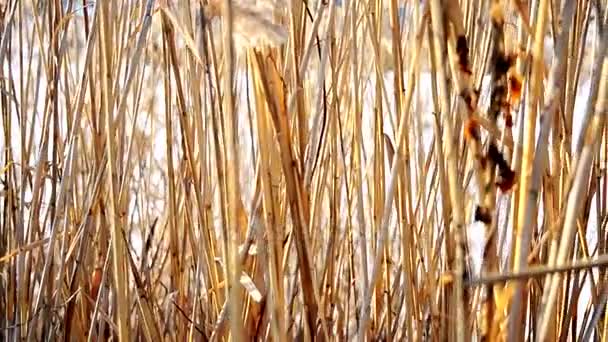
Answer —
395 170
457 261
540 156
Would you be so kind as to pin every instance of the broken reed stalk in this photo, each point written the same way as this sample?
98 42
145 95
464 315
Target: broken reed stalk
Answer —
353 188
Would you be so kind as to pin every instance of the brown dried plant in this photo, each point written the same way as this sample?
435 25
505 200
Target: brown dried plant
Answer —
279 170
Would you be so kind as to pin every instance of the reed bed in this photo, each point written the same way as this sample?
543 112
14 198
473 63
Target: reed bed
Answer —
303 170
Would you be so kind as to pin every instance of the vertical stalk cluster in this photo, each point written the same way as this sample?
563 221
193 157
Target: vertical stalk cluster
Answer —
288 170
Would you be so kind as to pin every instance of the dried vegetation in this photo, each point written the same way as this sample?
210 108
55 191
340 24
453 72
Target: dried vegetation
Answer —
303 170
